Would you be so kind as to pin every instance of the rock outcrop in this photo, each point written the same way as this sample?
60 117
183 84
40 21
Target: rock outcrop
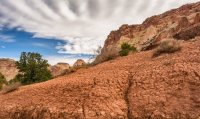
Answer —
79 63
153 30
59 69
8 68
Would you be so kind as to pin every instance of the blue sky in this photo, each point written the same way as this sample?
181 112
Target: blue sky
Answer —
13 42
67 30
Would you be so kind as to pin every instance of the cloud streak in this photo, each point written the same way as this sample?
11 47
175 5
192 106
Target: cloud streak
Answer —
83 24
6 38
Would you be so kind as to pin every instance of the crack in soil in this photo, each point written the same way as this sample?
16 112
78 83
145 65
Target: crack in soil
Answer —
129 115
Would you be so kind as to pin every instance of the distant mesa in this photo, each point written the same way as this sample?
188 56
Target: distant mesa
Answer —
9 69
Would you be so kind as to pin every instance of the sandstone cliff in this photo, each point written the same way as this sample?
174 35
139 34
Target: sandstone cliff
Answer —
173 23
8 68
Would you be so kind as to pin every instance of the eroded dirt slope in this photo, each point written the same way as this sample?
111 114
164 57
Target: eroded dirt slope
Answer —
133 87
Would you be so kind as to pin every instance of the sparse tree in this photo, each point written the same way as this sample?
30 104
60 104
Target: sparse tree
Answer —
32 68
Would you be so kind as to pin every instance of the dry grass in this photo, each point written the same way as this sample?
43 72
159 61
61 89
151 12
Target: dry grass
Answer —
167 46
11 87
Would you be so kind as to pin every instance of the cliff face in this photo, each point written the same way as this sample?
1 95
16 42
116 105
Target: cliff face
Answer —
174 23
8 68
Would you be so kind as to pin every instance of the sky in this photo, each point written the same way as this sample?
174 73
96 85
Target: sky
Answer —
67 30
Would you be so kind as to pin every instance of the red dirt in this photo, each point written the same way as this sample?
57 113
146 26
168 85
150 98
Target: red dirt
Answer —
133 87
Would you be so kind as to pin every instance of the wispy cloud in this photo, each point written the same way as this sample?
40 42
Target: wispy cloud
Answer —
40 45
2 46
83 24
6 38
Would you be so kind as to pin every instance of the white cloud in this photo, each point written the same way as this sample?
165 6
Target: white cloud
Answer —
83 23
6 38
40 45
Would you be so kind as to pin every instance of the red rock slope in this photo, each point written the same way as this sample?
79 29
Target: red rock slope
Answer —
137 86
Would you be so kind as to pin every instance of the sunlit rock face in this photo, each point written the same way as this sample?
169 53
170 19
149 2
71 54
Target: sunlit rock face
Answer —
8 68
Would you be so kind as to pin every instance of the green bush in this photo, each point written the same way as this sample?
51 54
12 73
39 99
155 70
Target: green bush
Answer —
32 69
126 48
2 81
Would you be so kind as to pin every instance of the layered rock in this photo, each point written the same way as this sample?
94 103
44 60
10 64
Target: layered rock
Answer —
59 69
153 30
8 68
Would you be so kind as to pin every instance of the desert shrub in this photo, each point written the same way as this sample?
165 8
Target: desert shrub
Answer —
11 87
2 81
32 68
126 48
167 46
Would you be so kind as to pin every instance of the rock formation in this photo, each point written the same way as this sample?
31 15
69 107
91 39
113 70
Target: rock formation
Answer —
8 68
59 69
154 29
79 63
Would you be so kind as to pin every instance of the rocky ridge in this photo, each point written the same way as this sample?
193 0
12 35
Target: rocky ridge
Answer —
175 23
